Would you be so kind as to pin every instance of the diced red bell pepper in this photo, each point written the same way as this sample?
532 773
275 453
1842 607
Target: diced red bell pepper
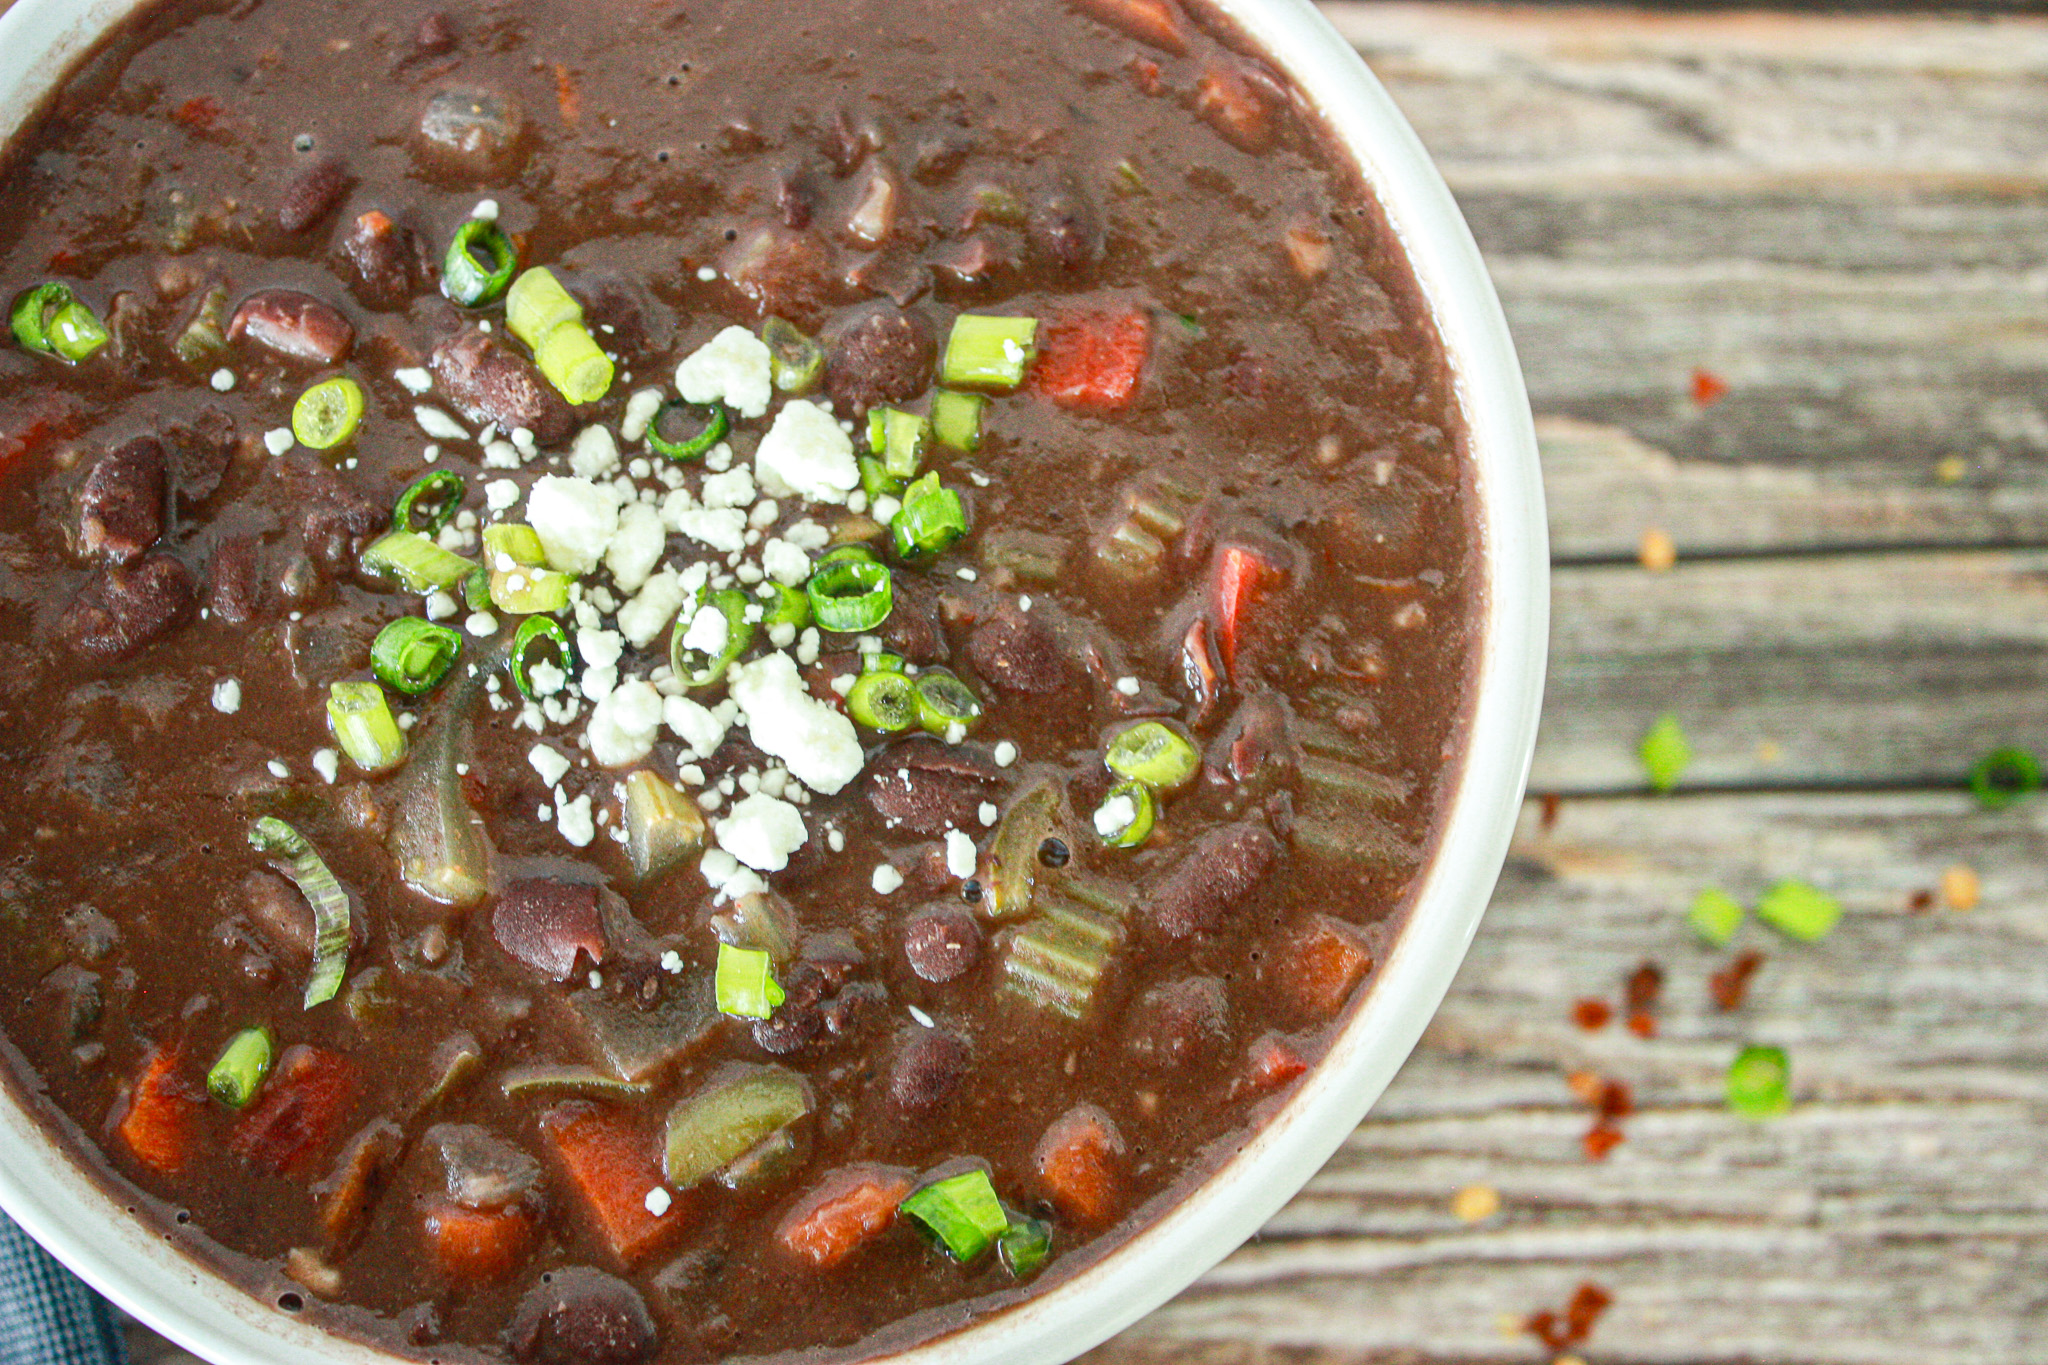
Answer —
1149 21
850 1207
612 1165
1327 962
299 1114
1092 360
1242 576
161 1125
1078 1160
1236 108
477 1246
1274 1063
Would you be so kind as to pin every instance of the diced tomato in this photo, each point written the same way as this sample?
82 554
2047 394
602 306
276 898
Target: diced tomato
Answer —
612 1165
299 1114
1078 1159
477 1246
1235 107
1149 21
1242 577
1327 962
1273 1063
839 1216
161 1125
1092 360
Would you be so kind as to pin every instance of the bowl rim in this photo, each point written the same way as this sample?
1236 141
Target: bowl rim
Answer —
86 1227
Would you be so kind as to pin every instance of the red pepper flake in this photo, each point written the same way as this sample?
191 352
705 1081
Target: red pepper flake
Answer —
1643 1024
1639 998
1592 1014
1611 1101
1708 388
568 99
1729 985
1576 1323
1921 901
1602 1138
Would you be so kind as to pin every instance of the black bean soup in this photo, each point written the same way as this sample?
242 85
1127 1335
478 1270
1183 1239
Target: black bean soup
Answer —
696 680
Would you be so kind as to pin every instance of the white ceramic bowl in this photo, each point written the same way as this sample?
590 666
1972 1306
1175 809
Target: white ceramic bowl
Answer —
138 1269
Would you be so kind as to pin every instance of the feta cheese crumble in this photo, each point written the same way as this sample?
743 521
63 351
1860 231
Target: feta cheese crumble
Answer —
816 742
734 368
575 520
227 696
761 831
960 855
806 454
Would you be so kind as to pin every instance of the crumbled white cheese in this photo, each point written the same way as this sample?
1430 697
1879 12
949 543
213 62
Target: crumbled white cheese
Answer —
227 696
988 813
762 831
636 546
886 508
593 454
501 455
327 763
575 520
278 769
886 879
623 724
414 379
723 529
960 854
439 424
639 414
733 368
697 726
486 211
765 514
1115 815
599 648
672 962
1128 686
547 679
708 631
658 1201
784 562
807 455
734 488
817 742
223 379
551 764
500 494
1006 754
574 822
481 624
651 609
278 440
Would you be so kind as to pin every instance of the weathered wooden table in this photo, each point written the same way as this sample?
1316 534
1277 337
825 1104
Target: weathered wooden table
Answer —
1846 221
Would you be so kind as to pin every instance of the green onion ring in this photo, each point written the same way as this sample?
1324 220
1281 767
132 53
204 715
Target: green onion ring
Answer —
411 655
1144 814
323 892
535 628
715 427
930 519
442 487
943 701
328 413
851 595
785 606
883 701
463 276
796 361
739 633
50 321
1154 753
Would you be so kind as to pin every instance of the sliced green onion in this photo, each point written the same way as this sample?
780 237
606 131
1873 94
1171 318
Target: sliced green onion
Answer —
930 519
693 667
850 595
876 481
206 334
440 490
900 438
852 550
785 606
411 655
363 725
988 352
1760 1082
961 1211
537 304
2003 776
663 825
796 361
50 321
745 984
1715 916
537 630
1127 827
1798 910
883 701
1024 1245
272 836
693 447
328 413
571 360
524 590
243 1064
479 265
883 663
1665 753
416 562
956 419
944 702
476 589
516 541
1154 753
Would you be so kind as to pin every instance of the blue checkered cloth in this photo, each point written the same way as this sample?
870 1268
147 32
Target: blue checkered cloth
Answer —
47 1314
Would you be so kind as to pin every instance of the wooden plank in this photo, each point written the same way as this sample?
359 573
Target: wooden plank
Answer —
1842 219
1896 1217
1882 670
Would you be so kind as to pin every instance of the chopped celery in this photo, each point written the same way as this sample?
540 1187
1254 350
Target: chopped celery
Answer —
577 1078
1010 872
206 334
988 352
1347 786
1058 958
363 725
1030 555
527 591
416 562
728 1117
663 825
956 419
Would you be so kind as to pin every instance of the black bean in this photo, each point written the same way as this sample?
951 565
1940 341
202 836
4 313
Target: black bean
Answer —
1018 652
923 803
479 1169
435 36
472 131
942 943
387 259
913 628
1064 228
312 194
121 509
488 381
295 325
883 355
800 1018
336 523
581 1316
1222 867
1178 1023
123 609
928 1067
547 924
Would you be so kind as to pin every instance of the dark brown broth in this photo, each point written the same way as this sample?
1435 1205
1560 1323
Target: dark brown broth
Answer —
134 794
